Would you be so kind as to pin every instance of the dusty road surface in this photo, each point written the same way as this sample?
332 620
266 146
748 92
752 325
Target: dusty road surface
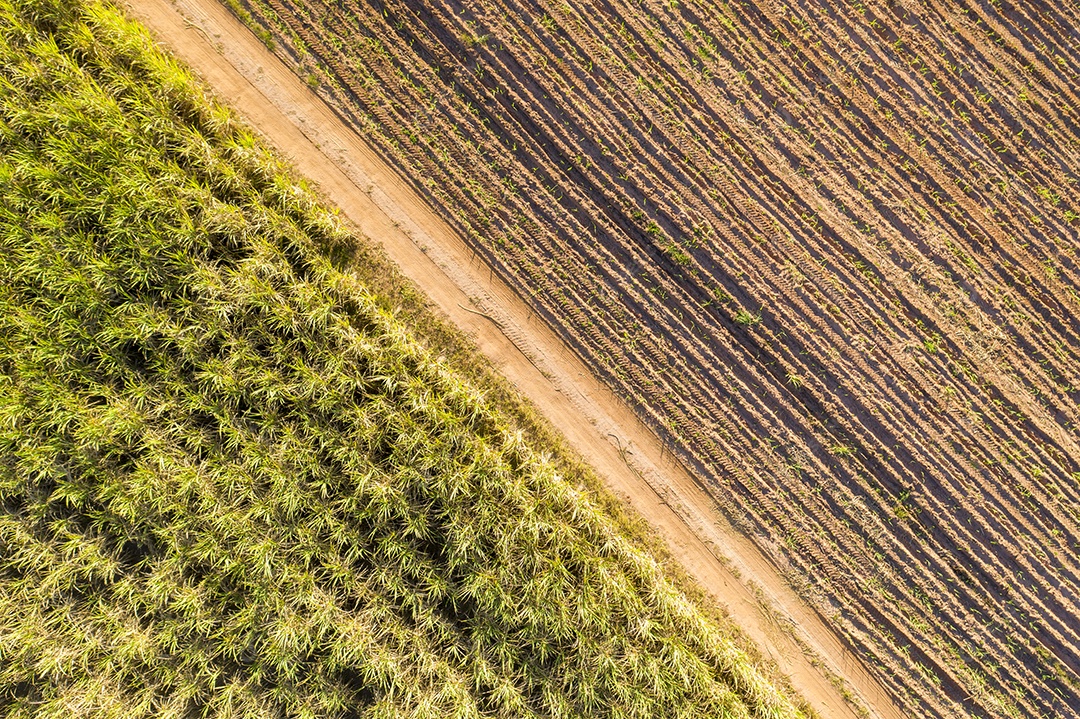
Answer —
597 424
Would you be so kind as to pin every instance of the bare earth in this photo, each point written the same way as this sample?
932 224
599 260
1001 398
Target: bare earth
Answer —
598 425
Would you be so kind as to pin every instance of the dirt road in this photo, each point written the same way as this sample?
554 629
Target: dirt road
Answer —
598 425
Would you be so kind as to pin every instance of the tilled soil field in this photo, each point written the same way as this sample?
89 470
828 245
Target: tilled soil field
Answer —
828 252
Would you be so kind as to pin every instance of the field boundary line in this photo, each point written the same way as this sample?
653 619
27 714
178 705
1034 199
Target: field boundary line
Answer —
599 426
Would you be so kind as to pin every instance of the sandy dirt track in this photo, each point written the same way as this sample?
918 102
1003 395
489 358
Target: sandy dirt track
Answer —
232 61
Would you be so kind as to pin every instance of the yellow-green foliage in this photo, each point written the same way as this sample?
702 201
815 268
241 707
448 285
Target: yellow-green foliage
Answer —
231 484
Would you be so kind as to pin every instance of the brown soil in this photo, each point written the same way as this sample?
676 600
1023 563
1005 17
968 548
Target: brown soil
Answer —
827 251
598 425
